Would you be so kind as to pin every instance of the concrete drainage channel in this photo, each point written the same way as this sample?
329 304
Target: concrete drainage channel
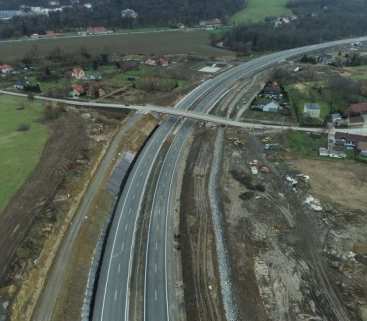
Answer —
116 185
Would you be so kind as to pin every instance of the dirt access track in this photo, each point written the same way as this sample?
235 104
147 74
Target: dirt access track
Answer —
67 141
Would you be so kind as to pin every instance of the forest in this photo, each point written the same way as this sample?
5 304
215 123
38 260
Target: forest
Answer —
107 13
318 21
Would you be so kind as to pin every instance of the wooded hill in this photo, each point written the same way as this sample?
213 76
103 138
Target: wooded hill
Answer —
107 13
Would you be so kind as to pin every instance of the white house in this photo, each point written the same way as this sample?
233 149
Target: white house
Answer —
88 5
129 14
272 107
312 110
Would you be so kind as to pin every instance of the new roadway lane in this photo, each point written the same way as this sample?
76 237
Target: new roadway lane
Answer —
112 296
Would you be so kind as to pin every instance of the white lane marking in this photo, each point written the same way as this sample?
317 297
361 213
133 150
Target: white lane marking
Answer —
166 229
126 226
115 296
136 223
119 269
155 268
118 225
155 295
153 214
122 247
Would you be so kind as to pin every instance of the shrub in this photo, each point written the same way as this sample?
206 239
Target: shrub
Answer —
23 127
156 84
52 112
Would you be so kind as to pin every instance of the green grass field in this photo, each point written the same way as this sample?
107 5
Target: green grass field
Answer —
258 10
357 73
304 144
166 42
298 97
19 151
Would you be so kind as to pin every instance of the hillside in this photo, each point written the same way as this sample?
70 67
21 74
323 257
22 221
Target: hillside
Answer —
150 11
258 10
317 21
69 15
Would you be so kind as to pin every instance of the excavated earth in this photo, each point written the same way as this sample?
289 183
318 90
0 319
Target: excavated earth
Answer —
289 261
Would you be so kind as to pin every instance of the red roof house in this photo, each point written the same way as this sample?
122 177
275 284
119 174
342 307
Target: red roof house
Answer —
4 69
78 90
163 62
357 109
96 30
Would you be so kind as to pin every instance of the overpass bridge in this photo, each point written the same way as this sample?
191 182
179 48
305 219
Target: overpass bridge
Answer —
170 111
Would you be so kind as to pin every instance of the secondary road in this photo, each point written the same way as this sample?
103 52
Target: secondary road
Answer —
120 33
179 113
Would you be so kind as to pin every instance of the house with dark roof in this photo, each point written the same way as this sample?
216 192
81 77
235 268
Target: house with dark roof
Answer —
272 89
356 121
349 140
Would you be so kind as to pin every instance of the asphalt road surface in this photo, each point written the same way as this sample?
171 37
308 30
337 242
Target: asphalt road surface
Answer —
112 296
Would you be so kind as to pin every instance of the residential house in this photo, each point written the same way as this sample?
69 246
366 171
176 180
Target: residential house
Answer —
6 69
271 107
77 90
20 84
272 89
54 3
88 6
151 62
98 31
312 110
213 23
357 109
356 121
78 73
25 85
336 118
284 20
129 14
51 34
163 62
92 76
323 152
349 140
362 148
